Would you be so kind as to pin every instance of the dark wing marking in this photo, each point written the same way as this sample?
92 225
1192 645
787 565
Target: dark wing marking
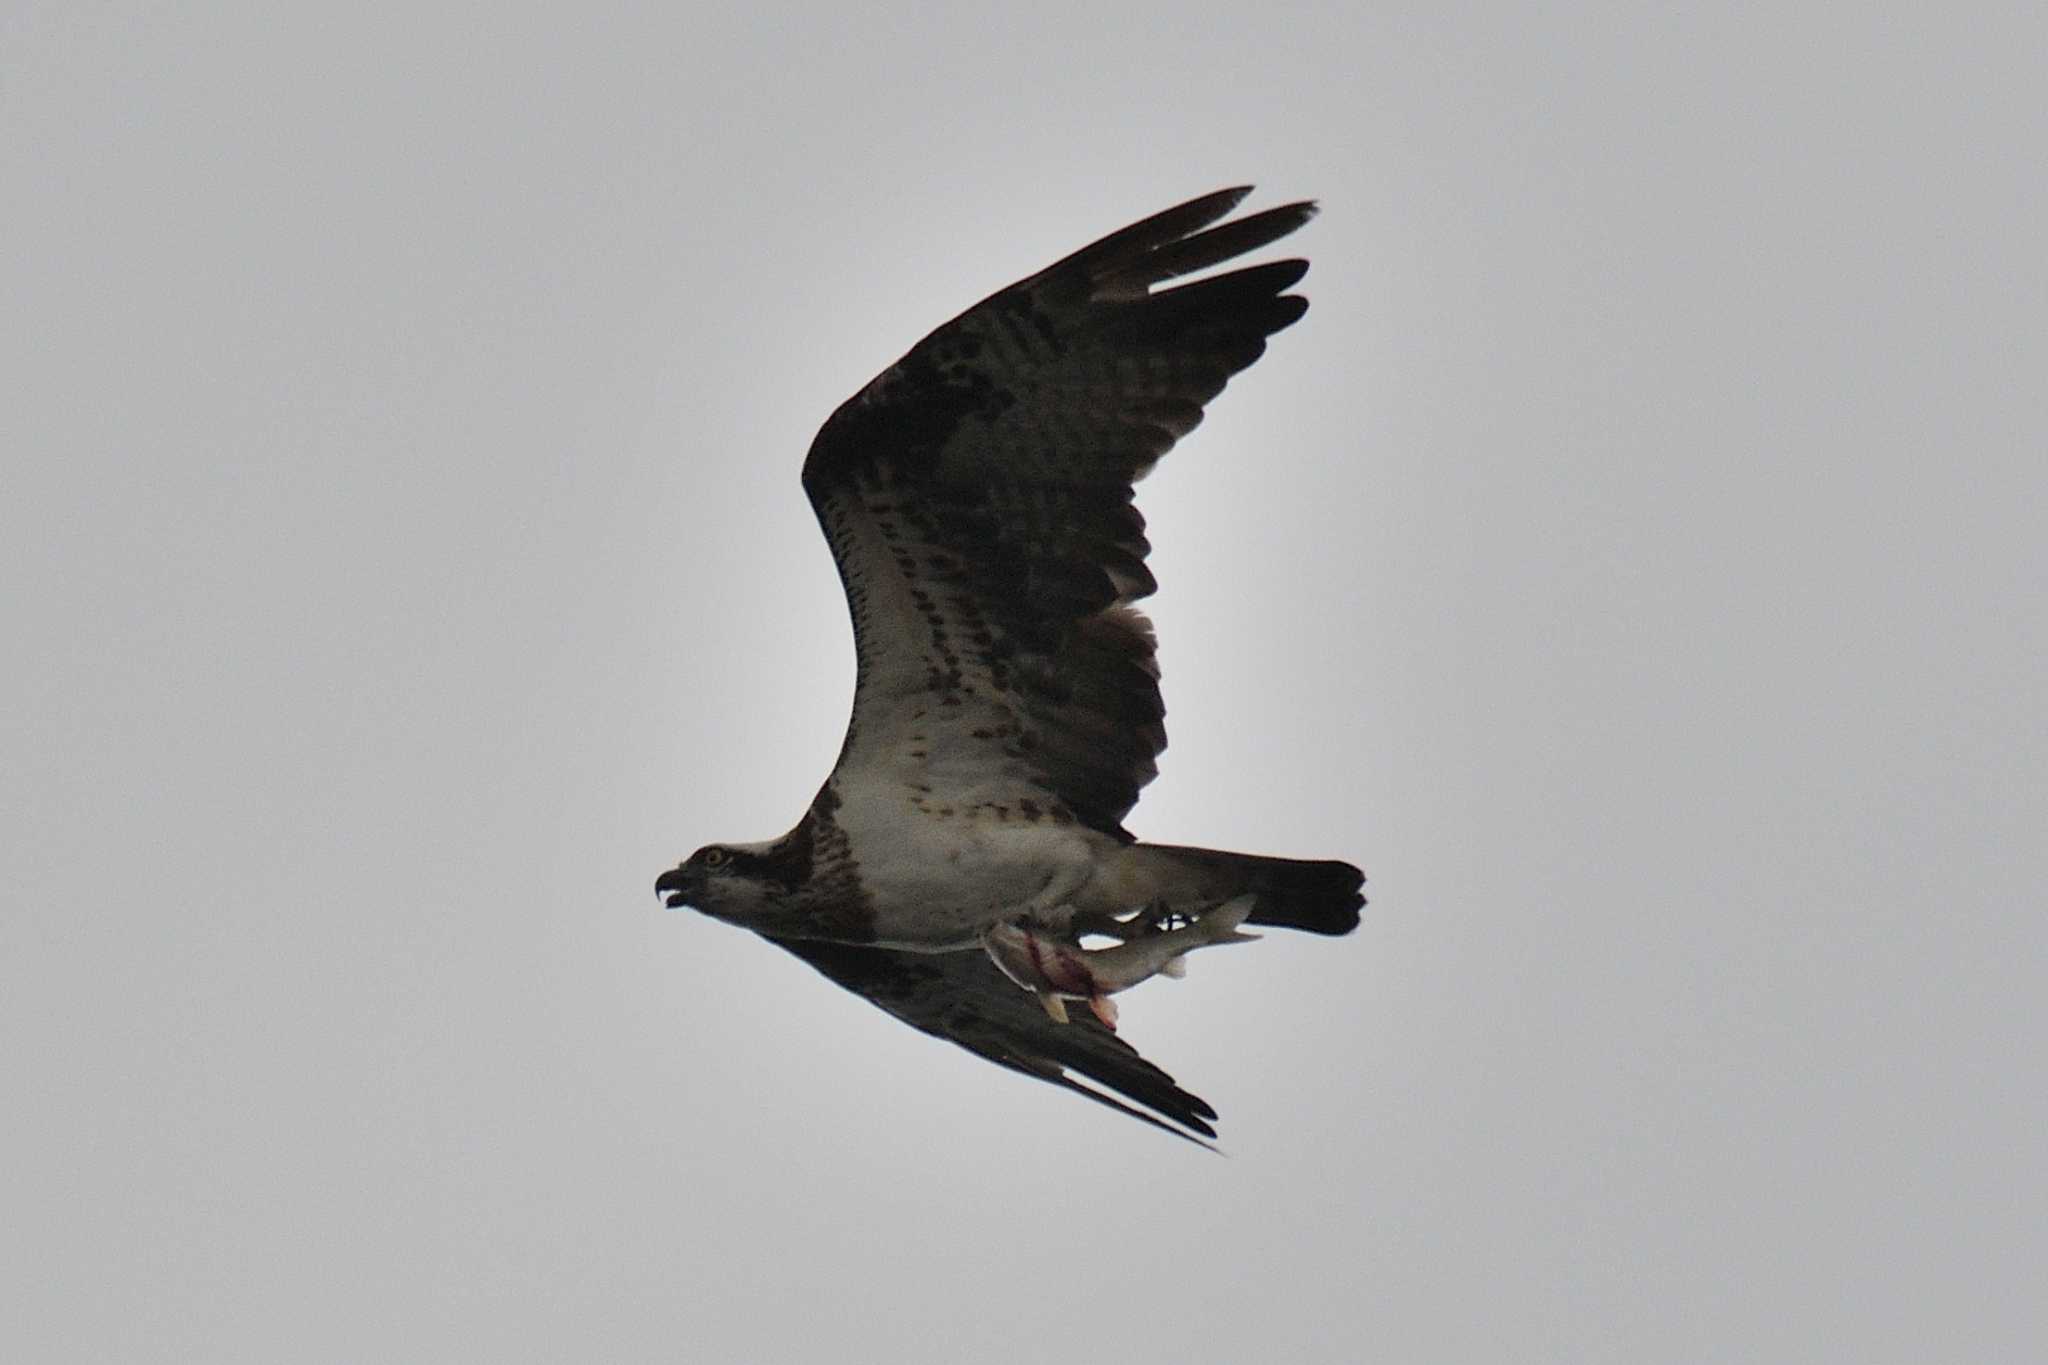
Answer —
977 497
962 998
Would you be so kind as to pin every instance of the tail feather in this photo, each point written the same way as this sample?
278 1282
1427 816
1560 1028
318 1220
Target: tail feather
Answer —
1320 896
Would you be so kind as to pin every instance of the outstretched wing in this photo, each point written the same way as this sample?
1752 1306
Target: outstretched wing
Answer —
977 497
964 999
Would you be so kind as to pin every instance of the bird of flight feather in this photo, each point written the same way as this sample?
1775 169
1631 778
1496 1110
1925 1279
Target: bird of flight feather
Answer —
978 500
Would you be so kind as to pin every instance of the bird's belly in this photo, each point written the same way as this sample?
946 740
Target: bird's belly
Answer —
936 882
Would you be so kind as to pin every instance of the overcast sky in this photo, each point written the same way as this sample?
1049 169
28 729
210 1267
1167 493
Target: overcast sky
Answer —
1634 561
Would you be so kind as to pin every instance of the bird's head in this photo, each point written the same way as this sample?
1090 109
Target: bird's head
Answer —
735 882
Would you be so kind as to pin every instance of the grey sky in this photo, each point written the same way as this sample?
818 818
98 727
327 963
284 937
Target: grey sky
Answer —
1633 561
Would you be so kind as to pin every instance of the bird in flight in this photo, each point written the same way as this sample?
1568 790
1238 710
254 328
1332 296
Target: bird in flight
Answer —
968 847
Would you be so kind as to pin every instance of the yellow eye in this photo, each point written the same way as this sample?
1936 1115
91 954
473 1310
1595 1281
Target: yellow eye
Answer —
714 858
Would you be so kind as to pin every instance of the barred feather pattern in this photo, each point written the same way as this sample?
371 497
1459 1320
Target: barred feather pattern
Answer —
978 501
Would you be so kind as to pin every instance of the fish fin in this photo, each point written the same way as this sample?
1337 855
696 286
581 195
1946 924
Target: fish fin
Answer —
1054 1006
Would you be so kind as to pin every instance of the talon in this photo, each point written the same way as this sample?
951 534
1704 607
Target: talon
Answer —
1105 1010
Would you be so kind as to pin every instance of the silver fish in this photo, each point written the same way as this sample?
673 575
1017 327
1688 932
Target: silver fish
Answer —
1057 970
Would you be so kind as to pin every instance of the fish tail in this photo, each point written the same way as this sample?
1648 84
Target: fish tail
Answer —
1221 925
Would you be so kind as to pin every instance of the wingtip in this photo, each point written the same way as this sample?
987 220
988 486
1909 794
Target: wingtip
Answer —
1301 209
1295 214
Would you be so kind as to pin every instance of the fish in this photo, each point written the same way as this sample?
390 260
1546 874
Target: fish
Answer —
1058 970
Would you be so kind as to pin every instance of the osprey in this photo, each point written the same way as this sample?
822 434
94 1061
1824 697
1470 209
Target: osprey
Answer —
977 497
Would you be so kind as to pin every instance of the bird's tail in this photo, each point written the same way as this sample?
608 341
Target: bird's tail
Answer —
1321 895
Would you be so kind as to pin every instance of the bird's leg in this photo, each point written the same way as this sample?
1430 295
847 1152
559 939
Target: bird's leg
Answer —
1053 904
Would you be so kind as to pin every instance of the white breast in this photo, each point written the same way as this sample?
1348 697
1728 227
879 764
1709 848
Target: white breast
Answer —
936 879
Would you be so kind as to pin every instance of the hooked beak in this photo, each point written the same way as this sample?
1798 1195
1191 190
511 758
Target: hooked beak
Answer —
673 885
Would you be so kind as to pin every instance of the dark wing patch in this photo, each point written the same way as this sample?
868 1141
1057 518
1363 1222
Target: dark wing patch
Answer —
977 497
964 999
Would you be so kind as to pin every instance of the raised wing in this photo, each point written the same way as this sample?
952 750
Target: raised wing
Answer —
977 497
964 999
